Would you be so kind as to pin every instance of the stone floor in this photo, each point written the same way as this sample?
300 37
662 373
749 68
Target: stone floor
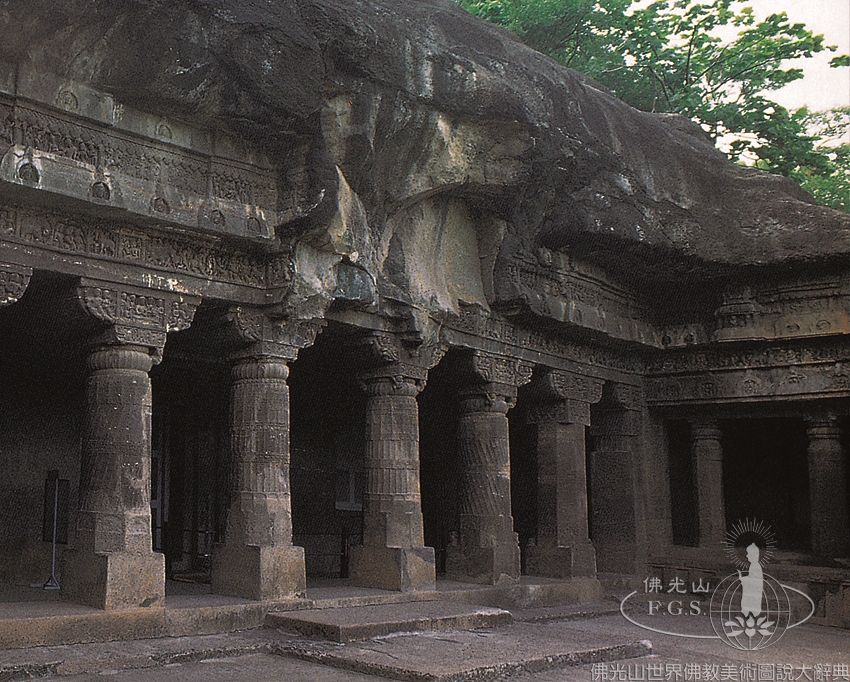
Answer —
542 645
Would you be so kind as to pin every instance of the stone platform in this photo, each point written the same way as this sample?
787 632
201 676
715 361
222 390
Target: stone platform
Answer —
446 656
35 618
365 622
472 655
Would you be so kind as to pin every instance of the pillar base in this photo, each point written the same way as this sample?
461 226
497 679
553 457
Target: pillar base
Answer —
115 580
263 573
393 568
549 561
484 565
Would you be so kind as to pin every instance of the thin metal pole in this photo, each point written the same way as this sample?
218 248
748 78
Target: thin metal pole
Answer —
53 582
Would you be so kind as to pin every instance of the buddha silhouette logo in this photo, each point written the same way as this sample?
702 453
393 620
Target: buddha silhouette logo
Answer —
748 610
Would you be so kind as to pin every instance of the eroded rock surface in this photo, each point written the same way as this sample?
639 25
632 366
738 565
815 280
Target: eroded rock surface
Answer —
408 131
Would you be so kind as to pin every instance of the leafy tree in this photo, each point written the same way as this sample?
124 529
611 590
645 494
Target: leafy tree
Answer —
712 61
828 179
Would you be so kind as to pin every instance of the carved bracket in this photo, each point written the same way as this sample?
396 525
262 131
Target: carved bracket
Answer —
258 334
627 396
13 282
557 384
133 315
398 355
497 369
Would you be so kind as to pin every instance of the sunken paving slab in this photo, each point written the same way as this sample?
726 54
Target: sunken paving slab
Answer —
471 654
365 622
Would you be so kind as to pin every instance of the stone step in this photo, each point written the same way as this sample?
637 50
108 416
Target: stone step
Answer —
462 655
566 612
366 622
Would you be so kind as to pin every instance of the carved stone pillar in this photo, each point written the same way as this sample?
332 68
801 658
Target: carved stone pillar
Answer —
111 563
562 548
393 555
707 453
487 550
257 559
830 526
617 513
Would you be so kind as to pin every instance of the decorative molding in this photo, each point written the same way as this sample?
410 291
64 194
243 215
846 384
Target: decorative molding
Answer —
556 286
475 322
819 369
169 253
137 163
14 280
796 308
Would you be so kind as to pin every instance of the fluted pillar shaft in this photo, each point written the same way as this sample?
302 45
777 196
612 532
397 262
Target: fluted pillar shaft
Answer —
112 564
487 549
257 559
707 454
392 512
830 526
392 555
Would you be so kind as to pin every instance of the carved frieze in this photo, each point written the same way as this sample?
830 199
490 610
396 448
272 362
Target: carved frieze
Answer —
135 316
492 327
13 282
556 286
137 162
816 370
817 306
168 253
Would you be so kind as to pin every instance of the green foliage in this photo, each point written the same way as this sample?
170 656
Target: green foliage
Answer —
829 183
712 61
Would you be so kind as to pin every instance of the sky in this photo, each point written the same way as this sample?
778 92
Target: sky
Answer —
821 87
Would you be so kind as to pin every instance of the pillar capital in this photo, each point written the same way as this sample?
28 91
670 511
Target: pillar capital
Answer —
560 412
133 316
126 357
823 427
489 397
705 430
259 367
14 280
391 380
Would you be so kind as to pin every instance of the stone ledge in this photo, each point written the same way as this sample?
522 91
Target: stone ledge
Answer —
366 622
